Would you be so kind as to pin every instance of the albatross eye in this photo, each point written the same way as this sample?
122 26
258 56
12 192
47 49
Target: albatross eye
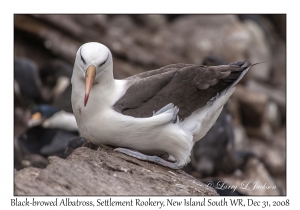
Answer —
104 61
82 59
101 64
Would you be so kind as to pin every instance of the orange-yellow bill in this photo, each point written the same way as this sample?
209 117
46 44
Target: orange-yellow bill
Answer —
89 80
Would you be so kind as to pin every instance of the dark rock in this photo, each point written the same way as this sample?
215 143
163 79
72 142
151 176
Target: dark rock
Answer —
264 132
212 60
278 74
57 43
281 183
150 22
279 139
233 106
68 24
279 22
26 72
252 106
73 144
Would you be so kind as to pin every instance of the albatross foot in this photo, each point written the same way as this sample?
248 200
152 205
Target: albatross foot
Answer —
153 159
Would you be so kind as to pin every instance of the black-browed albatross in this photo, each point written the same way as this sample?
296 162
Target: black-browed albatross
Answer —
163 111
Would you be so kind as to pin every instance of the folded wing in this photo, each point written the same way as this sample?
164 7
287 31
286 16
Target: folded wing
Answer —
187 86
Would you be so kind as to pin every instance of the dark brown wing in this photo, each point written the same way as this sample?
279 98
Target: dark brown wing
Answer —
187 86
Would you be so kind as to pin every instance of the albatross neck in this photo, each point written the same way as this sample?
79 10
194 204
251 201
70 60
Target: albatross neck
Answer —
105 79
104 87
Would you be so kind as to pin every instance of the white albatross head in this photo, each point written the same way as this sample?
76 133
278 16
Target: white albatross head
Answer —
91 60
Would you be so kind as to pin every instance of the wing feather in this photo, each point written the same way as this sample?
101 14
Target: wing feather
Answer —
187 86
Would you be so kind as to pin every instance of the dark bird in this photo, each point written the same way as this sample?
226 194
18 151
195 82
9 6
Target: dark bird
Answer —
27 92
56 79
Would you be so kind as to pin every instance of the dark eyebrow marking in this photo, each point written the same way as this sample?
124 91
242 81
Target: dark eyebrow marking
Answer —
104 61
82 57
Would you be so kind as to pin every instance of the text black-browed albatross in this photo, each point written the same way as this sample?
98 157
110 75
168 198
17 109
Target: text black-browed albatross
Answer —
163 111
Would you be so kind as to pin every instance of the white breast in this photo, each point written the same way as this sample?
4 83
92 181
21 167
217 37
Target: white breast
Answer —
99 123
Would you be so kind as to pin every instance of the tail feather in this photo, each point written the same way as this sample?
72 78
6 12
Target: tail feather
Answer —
201 120
236 76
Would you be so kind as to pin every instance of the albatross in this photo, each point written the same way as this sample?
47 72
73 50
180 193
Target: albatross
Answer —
154 113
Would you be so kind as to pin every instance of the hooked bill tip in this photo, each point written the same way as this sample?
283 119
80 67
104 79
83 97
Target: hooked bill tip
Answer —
86 97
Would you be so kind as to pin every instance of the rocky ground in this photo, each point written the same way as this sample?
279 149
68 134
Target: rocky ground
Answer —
144 42
104 172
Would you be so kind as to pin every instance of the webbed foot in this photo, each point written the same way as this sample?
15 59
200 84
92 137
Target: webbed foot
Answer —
153 159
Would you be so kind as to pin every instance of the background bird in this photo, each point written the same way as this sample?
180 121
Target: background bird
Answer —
49 132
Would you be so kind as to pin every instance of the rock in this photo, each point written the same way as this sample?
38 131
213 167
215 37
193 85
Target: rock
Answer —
57 43
233 106
281 182
252 106
30 173
70 25
74 143
264 132
105 172
279 22
258 52
278 76
125 69
34 160
273 158
258 114
212 60
272 115
279 139
150 22
21 116
240 138
198 35
275 95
